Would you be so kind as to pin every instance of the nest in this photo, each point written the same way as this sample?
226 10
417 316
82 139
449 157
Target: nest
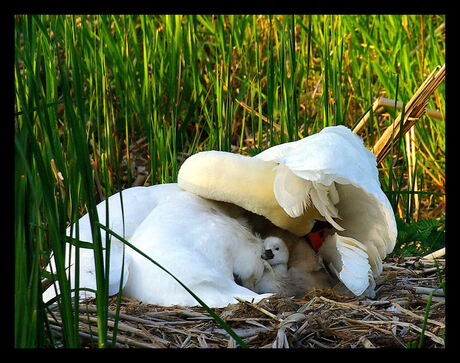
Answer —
395 318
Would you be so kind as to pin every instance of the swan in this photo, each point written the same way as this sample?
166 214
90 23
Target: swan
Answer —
329 176
197 240
275 276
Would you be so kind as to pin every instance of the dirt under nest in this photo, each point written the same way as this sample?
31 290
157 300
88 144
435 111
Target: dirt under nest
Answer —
321 319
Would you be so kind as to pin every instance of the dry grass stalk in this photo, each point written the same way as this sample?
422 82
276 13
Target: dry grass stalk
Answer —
264 118
387 102
414 109
411 161
262 310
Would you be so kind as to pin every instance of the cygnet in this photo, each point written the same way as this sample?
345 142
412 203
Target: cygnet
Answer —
276 255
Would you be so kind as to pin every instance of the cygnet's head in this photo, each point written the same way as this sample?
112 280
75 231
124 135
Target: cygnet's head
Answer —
276 251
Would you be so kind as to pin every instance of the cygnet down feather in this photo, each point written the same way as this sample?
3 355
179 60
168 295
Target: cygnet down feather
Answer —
305 269
275 275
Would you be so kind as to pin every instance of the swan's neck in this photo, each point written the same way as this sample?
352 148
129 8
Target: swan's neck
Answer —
231 178
241 180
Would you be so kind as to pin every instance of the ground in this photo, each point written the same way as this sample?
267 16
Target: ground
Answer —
395 318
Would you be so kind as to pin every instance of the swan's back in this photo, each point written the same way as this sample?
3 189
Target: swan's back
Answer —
192 238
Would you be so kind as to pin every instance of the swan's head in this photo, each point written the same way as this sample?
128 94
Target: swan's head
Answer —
276 251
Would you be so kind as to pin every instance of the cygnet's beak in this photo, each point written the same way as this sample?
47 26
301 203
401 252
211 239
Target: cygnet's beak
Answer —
267 255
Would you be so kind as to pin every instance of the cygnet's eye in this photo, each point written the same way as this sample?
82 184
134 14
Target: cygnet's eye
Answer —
277 249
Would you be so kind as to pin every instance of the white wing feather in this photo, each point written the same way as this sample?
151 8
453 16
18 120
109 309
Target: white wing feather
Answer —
320 195
295 194
291 192
348 258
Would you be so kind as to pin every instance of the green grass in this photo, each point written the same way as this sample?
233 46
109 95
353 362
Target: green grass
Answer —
90 89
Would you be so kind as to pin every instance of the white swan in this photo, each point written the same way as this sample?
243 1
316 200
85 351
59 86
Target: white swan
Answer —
193 238
326 176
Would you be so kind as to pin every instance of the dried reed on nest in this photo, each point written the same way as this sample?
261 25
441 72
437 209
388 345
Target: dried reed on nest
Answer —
321 319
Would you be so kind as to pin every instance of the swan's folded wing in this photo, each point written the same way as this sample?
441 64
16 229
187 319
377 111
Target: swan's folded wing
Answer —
344 178
348 259
295 194
291 192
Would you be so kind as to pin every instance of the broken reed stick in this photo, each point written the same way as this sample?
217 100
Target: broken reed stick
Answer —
434 255
262 310
374 324
264 118
427 290
413 185
414 109
387 102
412 314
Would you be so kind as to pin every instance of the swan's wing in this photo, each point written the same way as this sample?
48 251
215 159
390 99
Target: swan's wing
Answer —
138 202
295 195
348 259
334 155
126 210
344 184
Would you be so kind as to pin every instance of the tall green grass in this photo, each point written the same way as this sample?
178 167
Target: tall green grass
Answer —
88 89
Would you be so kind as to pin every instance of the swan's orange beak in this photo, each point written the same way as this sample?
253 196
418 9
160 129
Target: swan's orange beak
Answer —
317 238
318 234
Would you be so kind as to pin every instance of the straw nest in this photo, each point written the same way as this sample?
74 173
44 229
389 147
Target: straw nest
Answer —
395 318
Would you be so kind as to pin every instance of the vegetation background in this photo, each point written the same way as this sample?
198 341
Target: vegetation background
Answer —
106 102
